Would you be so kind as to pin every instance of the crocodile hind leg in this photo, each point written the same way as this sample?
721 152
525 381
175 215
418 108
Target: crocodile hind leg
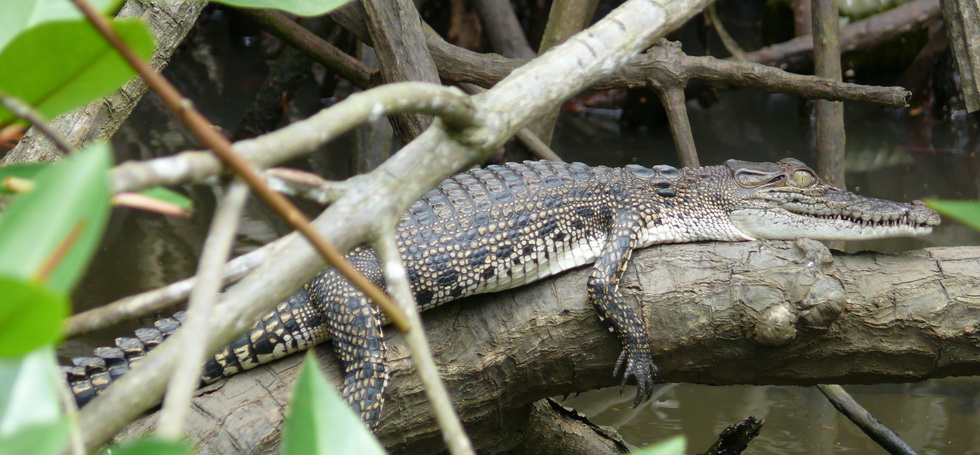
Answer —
354 324
620 317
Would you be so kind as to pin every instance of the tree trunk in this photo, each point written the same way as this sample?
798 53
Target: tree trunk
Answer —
717 313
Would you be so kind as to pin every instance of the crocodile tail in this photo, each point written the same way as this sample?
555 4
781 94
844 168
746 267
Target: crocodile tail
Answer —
294 325
89 376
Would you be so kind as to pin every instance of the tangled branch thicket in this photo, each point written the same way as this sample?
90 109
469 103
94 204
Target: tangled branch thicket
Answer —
623 50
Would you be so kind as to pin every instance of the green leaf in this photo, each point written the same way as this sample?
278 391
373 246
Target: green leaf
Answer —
69 197
169 196
966 212
23 171
298 7
44 439
29 391
673 446
150 446
30 316
58 66
17 16
318 421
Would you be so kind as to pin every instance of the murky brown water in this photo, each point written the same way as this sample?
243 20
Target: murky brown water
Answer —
892 156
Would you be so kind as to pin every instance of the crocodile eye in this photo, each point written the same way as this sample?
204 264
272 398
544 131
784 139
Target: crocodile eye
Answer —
803 178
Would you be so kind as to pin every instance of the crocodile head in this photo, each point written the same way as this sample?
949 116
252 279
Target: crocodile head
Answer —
786 200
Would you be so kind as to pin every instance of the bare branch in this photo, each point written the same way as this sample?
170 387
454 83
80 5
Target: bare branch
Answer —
148 302
503 29
418 345
191 340
313 46
797 53
26 112
774 80
380 197
398 41
672 98
304 136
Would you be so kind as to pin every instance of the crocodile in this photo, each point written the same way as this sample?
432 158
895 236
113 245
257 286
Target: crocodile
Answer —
502 226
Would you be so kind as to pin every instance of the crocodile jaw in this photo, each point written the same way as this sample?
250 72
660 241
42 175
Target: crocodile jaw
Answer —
782 224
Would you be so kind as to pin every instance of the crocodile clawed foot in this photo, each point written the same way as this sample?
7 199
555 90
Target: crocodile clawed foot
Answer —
641 368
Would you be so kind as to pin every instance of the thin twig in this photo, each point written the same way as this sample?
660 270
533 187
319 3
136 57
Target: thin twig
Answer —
866 421
303 137
142 202
398 286
311 45
27 112
307 185
220 145
148 302
536 146
192 339
730 44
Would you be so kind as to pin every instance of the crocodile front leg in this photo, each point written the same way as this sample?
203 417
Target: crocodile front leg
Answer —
620 318
354 324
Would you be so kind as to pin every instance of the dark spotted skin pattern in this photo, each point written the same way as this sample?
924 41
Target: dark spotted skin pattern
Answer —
503 226
481 231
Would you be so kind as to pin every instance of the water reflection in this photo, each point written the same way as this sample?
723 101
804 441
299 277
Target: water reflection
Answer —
936 416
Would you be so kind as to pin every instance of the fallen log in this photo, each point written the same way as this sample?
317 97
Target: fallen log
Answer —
717 313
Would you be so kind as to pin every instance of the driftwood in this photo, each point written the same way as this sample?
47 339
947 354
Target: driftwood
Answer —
717 313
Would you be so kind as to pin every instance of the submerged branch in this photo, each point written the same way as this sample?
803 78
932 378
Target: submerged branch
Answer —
866 421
